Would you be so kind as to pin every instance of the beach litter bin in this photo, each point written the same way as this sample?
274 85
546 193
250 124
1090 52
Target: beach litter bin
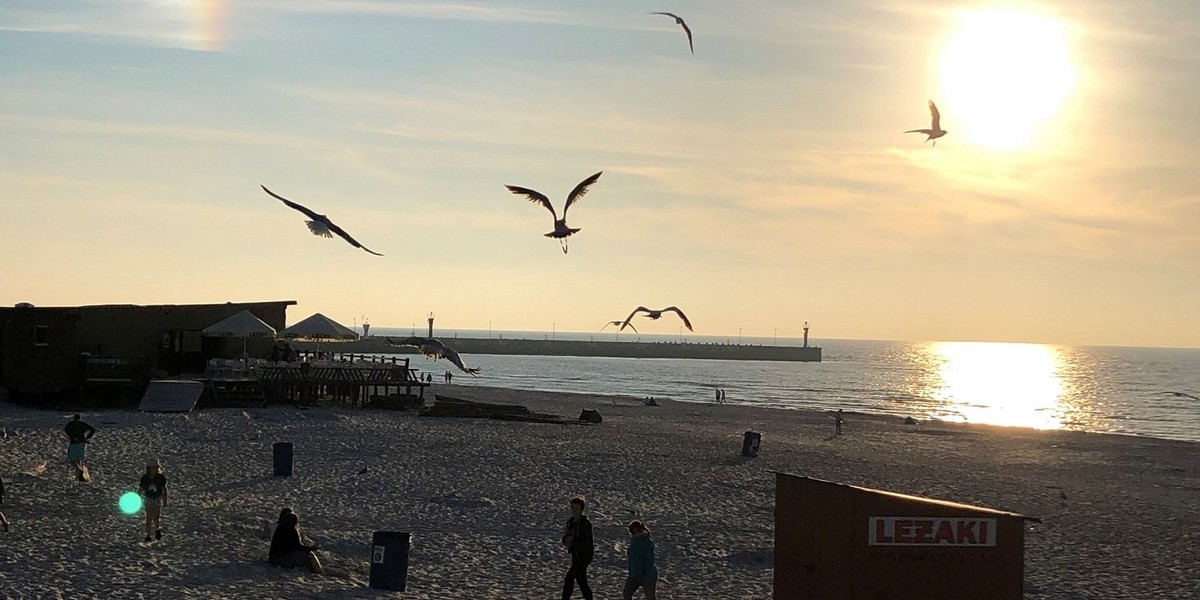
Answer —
750 442
282 453
590 415
389 560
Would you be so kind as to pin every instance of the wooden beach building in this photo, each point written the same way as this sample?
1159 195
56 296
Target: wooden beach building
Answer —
843 542
105 354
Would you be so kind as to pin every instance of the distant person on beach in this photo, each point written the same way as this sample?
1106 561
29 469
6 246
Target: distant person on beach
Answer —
718 390
449 377
78 435
722 395
577 539
153 488
642 571
838 420
286 548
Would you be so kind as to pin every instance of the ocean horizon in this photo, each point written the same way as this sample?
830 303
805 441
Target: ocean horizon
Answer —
1102 389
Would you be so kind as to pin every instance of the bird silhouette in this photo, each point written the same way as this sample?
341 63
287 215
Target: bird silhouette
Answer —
657 314
434 349
1183 395
618 323
936 131
561 231
320 224
679 21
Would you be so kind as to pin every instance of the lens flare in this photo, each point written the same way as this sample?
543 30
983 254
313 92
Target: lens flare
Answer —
130 503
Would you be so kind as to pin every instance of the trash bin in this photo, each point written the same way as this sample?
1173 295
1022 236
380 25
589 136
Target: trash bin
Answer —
283 459
389 560
750 443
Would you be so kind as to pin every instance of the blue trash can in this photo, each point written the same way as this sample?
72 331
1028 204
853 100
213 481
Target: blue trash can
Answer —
283 459
389 560
750 442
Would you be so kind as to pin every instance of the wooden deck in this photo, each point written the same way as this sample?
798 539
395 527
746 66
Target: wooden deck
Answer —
352 384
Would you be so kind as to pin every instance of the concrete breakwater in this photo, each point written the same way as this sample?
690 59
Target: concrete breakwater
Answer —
372 345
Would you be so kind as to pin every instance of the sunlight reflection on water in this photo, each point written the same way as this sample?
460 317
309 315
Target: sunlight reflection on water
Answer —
999 383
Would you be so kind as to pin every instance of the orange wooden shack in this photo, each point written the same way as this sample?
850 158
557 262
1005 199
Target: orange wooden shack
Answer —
843 542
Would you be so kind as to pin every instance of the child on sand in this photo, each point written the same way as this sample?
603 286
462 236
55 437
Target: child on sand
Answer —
153 488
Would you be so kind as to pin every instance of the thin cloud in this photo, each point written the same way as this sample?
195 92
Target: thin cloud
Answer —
490 12
141 130
140 21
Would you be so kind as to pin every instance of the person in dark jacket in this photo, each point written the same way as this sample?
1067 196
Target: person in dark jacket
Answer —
78 434
153 488
577 539
286 548
642 571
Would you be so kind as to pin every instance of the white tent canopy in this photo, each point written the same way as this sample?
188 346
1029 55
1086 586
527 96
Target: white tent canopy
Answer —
243 324
319 327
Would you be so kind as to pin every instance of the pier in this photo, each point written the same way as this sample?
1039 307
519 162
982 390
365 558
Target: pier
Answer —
615 349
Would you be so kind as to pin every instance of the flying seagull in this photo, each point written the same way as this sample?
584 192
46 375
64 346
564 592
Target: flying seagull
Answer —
434 349
656 314
1183 395
619 323
679 21
320 224
561 231
936 131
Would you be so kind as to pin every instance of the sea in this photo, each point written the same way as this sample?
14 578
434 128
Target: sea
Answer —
1124 390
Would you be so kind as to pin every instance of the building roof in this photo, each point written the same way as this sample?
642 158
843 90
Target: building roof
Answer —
910 498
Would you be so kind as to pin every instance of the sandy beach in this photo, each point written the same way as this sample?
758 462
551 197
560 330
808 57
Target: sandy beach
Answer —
485 499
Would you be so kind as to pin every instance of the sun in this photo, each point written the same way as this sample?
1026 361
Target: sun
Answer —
1005 73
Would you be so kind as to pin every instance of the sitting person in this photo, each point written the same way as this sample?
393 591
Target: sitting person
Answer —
269 528
286 548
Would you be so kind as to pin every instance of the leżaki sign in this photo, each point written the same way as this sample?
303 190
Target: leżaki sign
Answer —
931 531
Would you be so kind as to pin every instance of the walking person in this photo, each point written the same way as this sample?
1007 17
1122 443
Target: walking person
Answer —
642 571
153 488
838 420
79 434
577 539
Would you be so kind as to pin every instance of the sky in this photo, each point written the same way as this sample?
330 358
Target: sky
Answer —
760 183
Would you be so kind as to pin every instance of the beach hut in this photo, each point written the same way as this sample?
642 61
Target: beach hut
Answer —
844 542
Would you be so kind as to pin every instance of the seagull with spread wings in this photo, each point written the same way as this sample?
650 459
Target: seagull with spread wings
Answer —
1182 395
434 349
320 224
679 21
657 314
618 323
936 131
561 231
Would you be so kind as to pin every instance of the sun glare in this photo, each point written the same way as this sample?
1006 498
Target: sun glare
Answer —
1000 384
1005 72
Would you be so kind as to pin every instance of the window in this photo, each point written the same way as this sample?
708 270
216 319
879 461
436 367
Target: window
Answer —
41 335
